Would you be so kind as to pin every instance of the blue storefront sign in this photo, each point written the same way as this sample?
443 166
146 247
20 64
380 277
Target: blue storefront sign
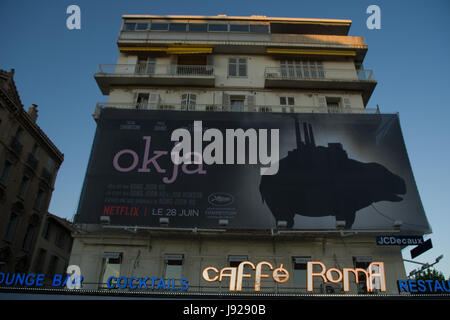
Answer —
36 280
399 240
424 286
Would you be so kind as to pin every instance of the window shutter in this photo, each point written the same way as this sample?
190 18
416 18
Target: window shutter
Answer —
322 102
225 101
192 101
347 103
153 101
251 103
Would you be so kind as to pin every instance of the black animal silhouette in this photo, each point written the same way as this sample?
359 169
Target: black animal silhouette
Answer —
318 181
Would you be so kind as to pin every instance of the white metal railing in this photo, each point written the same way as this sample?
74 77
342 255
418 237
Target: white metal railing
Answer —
227 108
153 69
302 73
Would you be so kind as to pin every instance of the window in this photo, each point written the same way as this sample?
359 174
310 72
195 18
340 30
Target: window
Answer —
39 199
60 240
237 67
129 26
46 231
363 263
40 261
5 172
111 266
333 104
23 186
235 261
49 165
141 26
300 272
238 27
259 28
302 69
265 109
188 101
174 267
287 104
156 26
142 100
51 270
35 151
145 65
217 27
16 142
237 103
19 135
178 27
11 228
28 239
198 27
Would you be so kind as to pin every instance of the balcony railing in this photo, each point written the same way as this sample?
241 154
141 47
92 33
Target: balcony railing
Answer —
302 73
229 108
151 69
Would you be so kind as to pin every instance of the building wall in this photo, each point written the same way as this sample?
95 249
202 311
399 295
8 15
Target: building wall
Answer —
144 257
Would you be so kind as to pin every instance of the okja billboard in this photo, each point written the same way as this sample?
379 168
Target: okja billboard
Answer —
240 170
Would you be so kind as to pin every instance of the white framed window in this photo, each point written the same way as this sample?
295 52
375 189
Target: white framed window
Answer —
188 101
145 65
299 69
287 104
237 67
111 264
265 109
173 267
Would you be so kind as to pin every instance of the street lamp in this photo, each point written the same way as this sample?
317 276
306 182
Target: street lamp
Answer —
424 265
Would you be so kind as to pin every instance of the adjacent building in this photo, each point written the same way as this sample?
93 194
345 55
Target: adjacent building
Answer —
53 247
223 64
29 163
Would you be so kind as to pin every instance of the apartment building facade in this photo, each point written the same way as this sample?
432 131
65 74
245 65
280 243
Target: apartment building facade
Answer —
221 65
29 163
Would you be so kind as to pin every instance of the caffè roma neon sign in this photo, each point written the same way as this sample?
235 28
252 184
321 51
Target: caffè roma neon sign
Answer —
236 274
374 275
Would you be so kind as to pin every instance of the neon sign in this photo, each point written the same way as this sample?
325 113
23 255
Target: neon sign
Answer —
375 276
418 286
236 274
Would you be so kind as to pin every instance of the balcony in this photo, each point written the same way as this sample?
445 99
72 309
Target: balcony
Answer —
153 74
228 108
328 79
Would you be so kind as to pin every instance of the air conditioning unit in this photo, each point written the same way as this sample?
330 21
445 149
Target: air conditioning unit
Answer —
105 219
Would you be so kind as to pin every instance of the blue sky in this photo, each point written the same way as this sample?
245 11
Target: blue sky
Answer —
409 55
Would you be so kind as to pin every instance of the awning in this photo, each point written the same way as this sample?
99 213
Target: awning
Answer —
311 52
170 50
